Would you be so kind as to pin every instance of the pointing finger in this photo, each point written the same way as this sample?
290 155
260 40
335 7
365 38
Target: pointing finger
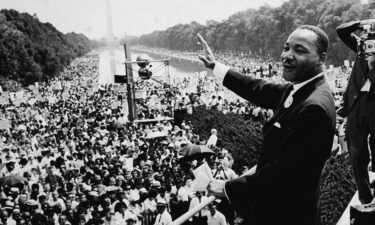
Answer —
202 41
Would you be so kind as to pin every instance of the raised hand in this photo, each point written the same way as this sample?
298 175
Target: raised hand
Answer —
208 59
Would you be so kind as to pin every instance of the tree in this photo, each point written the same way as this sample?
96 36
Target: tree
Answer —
266 29
31 51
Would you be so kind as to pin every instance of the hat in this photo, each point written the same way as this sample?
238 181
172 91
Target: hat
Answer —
11 161
9 204
16 210
32 202
15 190
156 184
161 201
120 177
94 193
45 149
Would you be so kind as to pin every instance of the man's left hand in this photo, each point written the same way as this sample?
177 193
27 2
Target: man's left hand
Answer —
208 59
216 188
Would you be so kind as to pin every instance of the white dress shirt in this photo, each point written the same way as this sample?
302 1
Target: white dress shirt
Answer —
163 219
212 140
296 87
366 86
217 219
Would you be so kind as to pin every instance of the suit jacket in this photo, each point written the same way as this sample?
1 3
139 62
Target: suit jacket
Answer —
360 68
297 141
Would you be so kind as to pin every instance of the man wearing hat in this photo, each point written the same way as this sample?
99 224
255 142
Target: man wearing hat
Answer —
14 192
163 217
32 205
9 169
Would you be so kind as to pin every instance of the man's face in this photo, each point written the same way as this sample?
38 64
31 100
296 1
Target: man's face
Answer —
212 209
23 198
71 197
300 56
62 220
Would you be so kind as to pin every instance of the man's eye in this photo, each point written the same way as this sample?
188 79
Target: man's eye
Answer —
300 50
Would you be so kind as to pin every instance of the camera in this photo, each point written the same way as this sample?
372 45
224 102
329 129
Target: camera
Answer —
144 73
366 44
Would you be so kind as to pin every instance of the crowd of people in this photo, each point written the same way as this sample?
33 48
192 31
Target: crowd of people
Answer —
72 157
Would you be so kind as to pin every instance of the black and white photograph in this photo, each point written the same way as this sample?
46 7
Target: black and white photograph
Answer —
187 112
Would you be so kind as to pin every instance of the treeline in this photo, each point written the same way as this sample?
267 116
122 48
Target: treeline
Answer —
263 32
32 51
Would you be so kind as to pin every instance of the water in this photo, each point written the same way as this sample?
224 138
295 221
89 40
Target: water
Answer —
112 63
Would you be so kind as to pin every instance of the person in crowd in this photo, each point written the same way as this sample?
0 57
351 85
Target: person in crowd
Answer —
163 217
214 216
359 107
297 140
80 156
212 140
201 217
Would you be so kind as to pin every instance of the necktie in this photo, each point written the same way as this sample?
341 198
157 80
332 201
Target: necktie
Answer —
289 100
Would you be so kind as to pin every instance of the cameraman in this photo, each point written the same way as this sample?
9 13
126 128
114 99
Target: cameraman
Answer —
359 105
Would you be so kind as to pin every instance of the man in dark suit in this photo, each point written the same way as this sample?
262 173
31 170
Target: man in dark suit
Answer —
359 108
297 141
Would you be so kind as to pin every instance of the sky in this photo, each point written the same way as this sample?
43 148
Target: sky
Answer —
130 17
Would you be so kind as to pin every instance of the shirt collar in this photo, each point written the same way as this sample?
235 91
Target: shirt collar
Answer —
214 216
300 85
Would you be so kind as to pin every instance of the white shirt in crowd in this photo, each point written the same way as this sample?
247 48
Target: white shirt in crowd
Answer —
212 140
217 219
163 219
184 193
196 201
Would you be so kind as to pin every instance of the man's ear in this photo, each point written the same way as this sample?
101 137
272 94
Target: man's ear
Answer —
322 58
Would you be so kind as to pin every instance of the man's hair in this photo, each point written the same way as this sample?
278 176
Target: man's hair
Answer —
322 38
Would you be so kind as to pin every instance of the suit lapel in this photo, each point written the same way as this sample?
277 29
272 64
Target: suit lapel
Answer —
298 97
279 109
